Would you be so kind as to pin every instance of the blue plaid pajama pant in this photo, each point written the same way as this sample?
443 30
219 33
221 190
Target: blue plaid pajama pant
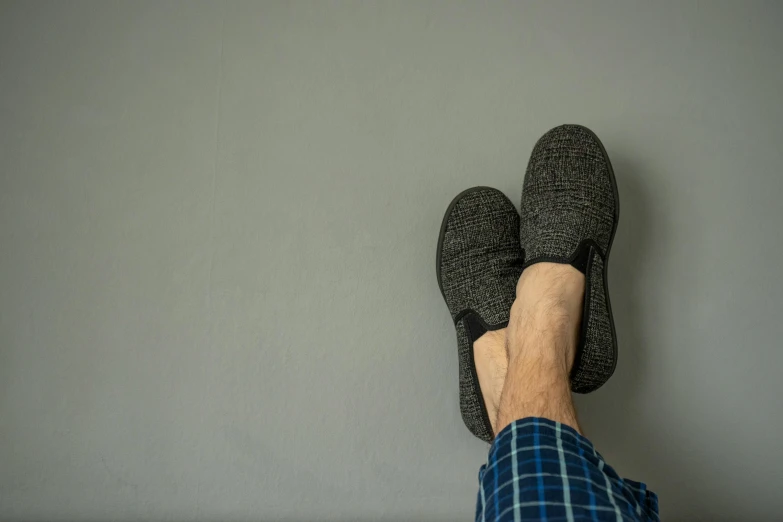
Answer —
542 470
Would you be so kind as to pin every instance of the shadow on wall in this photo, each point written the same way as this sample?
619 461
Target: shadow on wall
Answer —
628 438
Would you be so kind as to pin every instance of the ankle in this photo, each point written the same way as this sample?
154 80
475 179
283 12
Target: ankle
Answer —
547 313
550 354
536 387
545 334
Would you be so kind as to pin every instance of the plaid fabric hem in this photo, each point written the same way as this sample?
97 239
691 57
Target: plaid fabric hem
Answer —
542 470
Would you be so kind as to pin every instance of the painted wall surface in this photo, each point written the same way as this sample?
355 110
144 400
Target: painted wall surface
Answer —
217 243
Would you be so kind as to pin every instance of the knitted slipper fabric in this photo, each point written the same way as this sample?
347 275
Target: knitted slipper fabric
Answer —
570 210
478 265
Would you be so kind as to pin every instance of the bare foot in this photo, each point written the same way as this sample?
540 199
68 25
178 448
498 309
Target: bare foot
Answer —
489 354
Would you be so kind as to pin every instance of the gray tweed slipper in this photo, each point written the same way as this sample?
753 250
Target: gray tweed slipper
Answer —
570 210
479 262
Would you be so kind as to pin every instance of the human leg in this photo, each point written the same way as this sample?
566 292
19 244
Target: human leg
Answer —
540 466
541 340
538 346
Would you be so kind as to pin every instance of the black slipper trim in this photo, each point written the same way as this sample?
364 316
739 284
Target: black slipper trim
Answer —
579 259
486 326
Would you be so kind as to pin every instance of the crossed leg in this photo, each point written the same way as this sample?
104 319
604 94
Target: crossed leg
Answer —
540 466
523 369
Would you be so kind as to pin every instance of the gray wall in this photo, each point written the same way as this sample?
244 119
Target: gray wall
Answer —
217 244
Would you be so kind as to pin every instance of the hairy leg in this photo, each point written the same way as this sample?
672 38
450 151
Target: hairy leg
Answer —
541 339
